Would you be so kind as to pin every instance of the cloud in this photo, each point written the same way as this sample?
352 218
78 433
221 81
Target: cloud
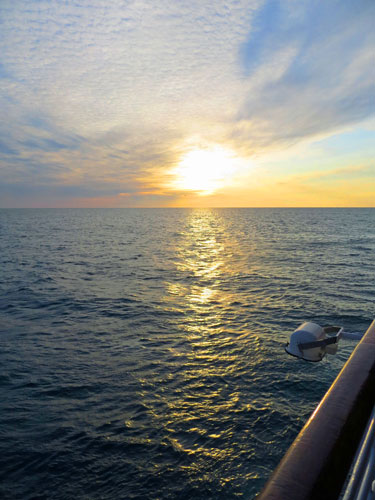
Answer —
100 65
346 173
308 67
101 98
40 158
99 94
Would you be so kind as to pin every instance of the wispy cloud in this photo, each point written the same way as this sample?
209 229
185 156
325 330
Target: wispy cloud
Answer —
347 173
308 67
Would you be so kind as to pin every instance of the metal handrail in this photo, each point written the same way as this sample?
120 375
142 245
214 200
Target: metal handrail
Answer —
362 478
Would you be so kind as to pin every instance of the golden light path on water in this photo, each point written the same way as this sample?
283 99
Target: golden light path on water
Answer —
216 351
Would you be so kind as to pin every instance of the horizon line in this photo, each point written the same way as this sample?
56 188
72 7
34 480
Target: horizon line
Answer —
183 208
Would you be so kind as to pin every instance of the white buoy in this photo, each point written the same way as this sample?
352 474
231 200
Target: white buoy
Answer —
311 341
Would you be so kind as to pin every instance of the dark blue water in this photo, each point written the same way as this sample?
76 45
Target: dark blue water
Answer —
142 350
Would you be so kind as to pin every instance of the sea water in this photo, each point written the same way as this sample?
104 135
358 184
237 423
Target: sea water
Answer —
142 350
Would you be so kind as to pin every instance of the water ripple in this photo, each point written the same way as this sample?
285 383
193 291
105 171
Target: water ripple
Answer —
144 361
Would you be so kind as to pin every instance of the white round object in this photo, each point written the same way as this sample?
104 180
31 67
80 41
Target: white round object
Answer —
305 333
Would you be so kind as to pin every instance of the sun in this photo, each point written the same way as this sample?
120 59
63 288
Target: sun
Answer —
204 170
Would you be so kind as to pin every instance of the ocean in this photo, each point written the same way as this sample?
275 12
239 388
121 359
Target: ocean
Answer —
142 350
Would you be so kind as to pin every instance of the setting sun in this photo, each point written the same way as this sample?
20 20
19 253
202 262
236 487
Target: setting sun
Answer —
204 170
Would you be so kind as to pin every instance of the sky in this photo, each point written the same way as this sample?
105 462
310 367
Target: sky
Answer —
187 103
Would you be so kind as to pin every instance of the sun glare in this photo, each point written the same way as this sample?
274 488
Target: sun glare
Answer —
204 170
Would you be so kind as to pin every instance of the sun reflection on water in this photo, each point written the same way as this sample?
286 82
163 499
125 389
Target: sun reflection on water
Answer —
200 253
201 418
200 260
